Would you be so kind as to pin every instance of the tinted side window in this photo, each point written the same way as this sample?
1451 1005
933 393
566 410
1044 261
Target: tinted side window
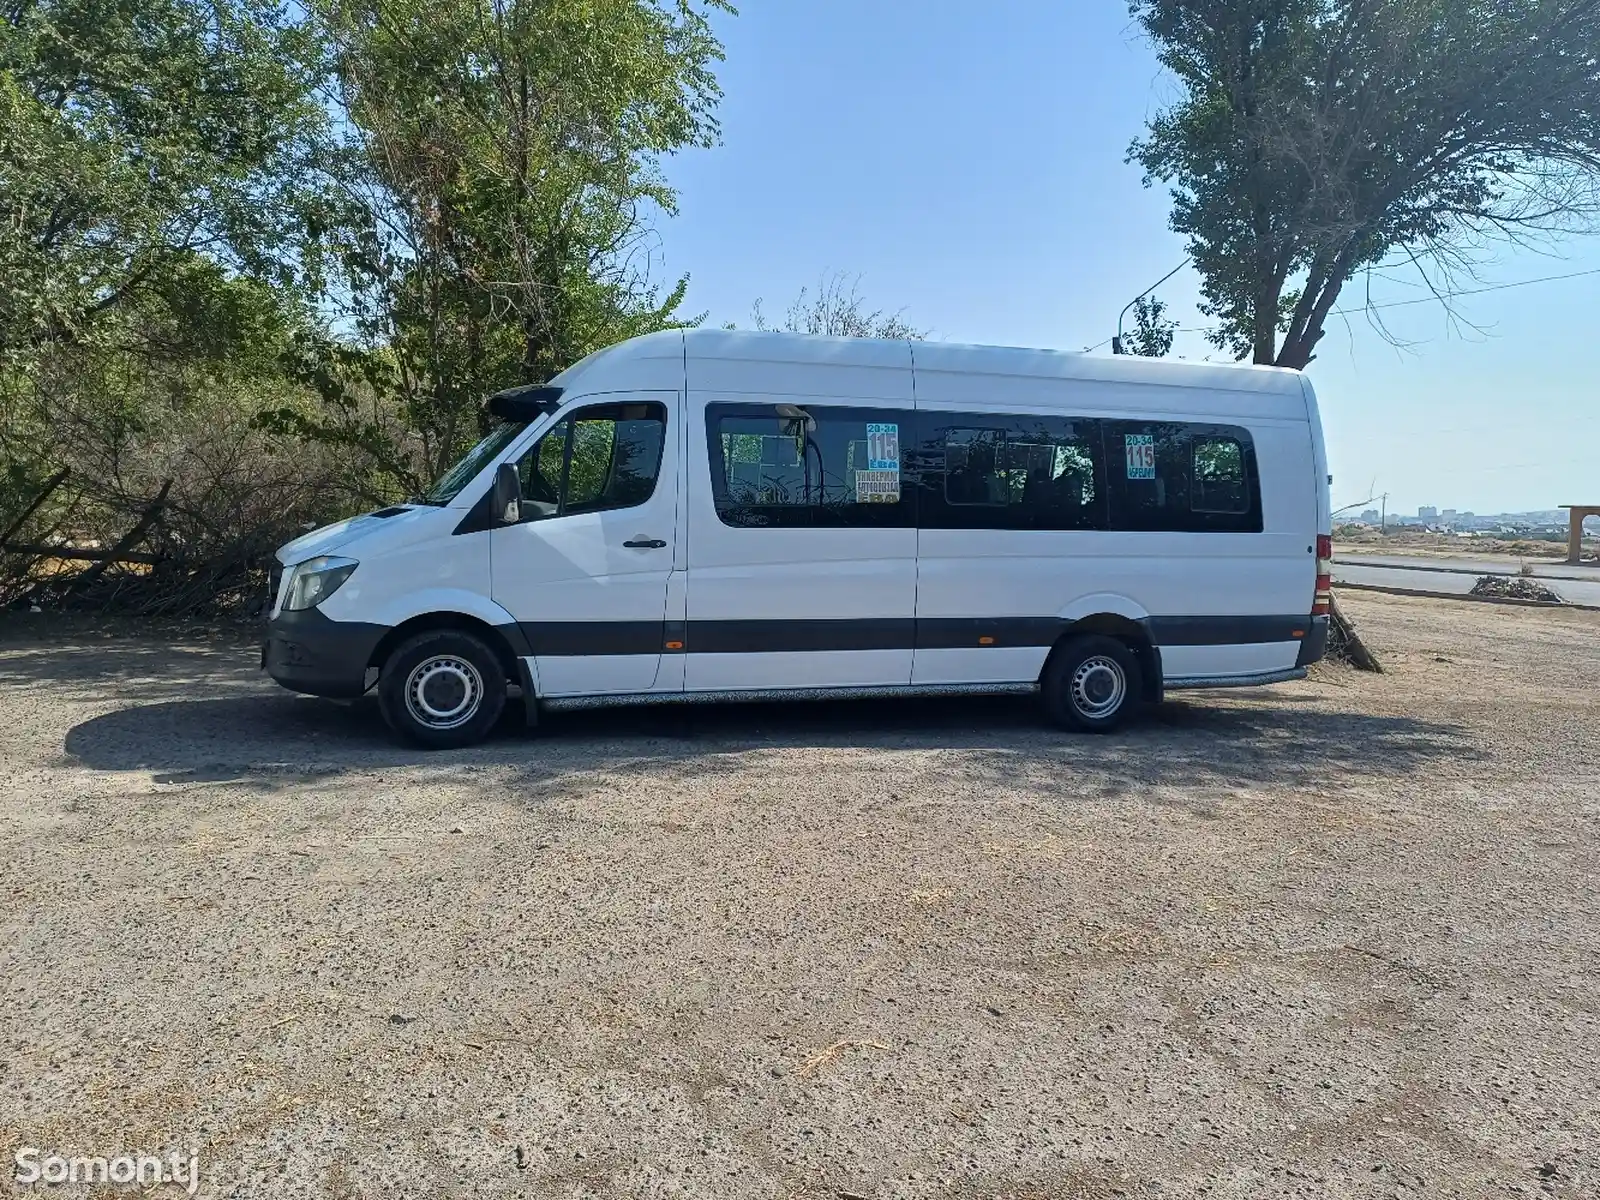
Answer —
775 465
995 471
1178 477
1218 479
594 460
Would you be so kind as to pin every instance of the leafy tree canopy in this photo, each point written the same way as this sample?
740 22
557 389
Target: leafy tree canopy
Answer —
503 167
1316 138
1153 330
137 134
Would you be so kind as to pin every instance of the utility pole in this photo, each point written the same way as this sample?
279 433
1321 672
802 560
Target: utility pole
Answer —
1383 518
1117 344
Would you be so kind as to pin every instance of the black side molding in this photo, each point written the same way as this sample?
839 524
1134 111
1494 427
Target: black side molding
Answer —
1224 631
572 638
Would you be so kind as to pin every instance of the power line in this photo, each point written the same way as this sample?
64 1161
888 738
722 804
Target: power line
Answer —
1357 504
1498 287
1352 312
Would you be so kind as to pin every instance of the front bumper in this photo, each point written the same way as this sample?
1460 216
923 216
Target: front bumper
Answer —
309 652
1315 644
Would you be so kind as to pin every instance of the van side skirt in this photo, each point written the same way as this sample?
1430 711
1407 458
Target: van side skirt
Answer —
1232 681
886 692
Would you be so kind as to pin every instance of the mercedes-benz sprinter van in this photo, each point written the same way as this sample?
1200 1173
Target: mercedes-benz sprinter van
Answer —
706 515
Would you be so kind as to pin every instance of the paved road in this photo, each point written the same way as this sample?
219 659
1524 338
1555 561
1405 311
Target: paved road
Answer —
1503 565
1457 582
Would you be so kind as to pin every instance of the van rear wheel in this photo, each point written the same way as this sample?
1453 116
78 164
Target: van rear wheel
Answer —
442 689
1091 683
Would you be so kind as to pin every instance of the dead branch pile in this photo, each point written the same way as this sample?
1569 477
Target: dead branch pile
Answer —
181 525
1510 587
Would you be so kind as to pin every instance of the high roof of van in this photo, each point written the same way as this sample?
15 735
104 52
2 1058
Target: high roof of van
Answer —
749 346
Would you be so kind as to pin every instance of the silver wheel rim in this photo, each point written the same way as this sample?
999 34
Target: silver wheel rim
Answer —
443 692
1098 686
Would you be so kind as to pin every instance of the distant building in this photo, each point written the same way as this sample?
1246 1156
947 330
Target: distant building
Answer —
1427 513
1371 517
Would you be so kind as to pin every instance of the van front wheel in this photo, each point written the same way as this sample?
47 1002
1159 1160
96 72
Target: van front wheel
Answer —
442 689
1091 683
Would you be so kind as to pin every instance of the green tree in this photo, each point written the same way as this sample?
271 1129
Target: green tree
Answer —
504 156
159 223
1317 138
136 135
1153 331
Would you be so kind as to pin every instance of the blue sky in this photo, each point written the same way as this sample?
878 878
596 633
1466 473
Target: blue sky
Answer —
966 161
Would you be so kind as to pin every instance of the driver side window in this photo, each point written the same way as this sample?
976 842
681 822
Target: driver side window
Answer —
540 472
593 460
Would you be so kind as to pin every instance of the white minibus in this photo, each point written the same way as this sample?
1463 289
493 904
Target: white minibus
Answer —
703 515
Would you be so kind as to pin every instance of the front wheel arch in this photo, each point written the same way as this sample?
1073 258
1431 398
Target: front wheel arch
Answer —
489 634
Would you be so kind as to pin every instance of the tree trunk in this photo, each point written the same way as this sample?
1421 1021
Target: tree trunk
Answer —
129 540
50 486
1346 643
1300 346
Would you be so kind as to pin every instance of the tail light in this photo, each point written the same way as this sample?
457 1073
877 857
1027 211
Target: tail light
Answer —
1322 601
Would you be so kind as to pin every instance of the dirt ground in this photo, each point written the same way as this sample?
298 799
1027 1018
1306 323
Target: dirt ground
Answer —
1337 938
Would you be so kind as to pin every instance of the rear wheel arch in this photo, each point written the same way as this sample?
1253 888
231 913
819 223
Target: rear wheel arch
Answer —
1133 634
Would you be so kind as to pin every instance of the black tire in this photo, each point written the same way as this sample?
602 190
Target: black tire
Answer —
1091 683
448 672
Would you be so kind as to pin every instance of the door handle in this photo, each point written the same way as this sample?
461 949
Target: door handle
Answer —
645 544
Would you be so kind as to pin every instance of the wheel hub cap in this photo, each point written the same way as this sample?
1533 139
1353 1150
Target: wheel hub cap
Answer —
1098 686
443 692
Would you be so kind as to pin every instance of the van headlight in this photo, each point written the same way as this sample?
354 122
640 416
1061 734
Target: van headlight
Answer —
315 580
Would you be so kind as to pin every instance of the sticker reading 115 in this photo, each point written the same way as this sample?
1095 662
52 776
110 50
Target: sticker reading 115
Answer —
1141 450
883 447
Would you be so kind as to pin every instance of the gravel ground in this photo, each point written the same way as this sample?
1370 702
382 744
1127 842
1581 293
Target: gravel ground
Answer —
1335 938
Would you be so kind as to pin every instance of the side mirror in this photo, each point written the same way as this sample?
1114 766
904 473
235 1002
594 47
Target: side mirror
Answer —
506 502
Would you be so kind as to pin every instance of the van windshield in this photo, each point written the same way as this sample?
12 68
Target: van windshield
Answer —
463 473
